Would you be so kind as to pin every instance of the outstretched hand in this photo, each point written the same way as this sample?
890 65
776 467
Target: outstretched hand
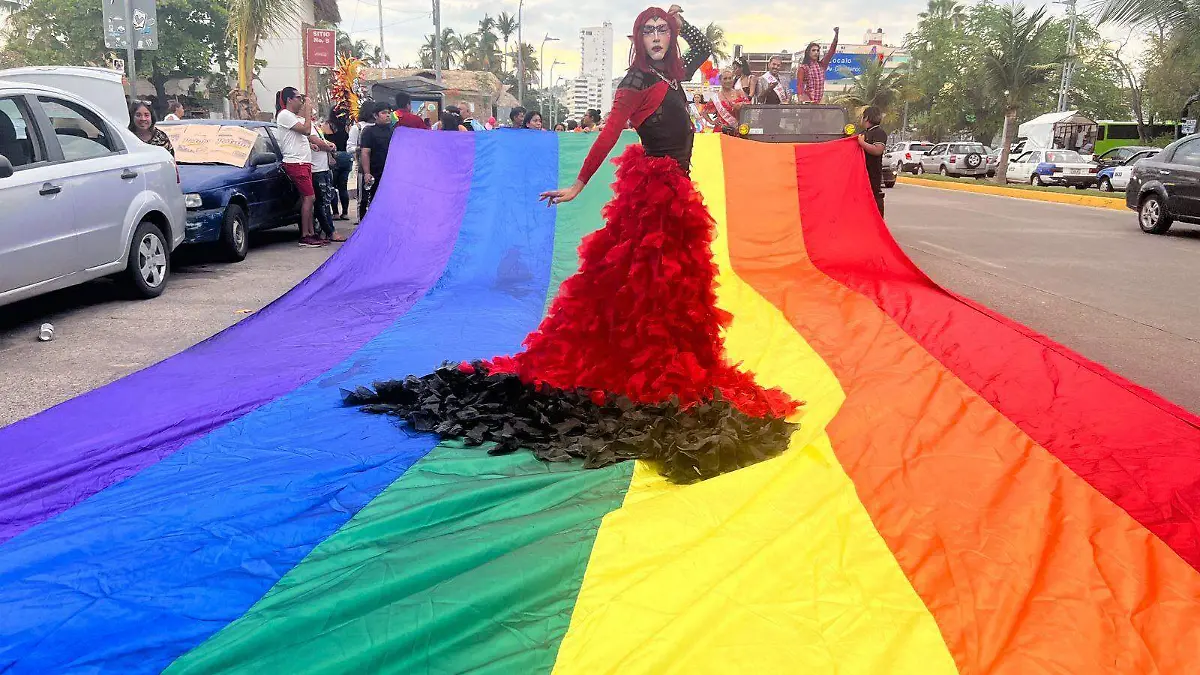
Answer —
561 196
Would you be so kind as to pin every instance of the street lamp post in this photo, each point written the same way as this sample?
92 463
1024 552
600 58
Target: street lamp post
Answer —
554 108
520 56
542 65
551 94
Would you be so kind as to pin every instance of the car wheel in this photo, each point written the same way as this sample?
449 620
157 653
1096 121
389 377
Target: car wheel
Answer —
148 264
1105 184
1036 179
1082 186
890 184
235 234
920 170
899 168
944 172
1152 217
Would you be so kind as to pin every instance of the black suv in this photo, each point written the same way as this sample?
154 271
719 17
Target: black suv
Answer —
1166 188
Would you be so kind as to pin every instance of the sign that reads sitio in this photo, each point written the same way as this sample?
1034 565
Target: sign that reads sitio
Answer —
320 48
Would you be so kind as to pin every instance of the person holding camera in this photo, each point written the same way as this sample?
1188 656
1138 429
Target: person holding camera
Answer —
293 114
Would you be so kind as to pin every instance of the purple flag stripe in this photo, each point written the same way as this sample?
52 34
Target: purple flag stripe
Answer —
62 456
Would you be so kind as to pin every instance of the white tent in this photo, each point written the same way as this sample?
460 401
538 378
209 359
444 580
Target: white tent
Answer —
1058 130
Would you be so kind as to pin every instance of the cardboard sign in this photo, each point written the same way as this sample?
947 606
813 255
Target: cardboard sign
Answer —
211 143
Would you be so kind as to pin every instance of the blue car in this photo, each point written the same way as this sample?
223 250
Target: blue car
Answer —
226 203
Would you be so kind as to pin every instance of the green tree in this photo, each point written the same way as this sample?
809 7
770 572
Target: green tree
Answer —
1182 16
1015 65
1171 69
250 22
451 50
506 26
66 32
191 43
942 59
720 44
370 54
877 85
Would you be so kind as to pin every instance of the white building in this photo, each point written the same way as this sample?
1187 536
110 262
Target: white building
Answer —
593 87
284 52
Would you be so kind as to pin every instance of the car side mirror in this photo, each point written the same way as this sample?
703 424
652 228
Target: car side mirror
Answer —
262 158
6 167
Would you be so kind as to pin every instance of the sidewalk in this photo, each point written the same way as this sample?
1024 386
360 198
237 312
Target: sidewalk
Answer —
981 187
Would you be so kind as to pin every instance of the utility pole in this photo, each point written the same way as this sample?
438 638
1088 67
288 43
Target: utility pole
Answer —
1064 87
382 53
437 41
131 51
520 56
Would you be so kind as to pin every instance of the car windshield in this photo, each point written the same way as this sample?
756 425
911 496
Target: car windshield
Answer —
1064 156
796 120
228 145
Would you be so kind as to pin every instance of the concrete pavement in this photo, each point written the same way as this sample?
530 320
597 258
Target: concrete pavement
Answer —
100 336
1089 278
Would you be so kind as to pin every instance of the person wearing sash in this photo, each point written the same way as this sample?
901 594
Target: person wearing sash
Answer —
810 75
722 112
772 90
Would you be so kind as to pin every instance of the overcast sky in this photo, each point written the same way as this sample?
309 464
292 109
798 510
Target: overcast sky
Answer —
770 26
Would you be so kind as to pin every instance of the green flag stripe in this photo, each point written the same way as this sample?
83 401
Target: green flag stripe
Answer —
466 563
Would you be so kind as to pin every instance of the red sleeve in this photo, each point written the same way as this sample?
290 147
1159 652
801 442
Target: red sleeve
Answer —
829 54
624 103
629 105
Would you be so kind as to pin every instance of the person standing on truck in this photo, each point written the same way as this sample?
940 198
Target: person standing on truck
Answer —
771 88
873 141
810 76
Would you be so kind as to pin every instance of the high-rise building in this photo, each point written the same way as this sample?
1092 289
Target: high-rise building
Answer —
593 88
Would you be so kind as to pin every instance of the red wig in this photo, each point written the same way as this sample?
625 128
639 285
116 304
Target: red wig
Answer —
672 65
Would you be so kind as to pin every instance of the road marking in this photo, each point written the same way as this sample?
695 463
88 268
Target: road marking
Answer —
959 254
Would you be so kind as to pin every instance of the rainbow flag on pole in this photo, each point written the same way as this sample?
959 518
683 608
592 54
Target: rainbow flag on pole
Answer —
963 495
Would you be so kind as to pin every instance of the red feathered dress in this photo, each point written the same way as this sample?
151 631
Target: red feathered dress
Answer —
629 360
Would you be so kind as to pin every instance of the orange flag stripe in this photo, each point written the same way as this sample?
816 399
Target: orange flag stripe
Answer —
1025 567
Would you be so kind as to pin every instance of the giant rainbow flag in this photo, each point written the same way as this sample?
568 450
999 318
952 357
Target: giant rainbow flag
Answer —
963 495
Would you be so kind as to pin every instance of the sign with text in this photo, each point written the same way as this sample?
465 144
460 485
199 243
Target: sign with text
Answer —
145 24
320 48
211 143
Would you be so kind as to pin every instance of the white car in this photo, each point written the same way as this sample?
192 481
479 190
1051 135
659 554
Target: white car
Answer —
1052 167
955 159
906 155
82 197
1117 177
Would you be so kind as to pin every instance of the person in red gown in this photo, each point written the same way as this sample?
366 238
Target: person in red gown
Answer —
629 361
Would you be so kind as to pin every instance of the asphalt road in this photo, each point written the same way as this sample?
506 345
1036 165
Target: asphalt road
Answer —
1087 277
100 336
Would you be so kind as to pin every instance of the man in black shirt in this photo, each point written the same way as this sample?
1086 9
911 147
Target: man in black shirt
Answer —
374 145
873 141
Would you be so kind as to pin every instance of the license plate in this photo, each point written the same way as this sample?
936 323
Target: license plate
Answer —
1075 172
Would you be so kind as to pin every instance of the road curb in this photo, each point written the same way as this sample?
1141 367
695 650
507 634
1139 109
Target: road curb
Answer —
997 190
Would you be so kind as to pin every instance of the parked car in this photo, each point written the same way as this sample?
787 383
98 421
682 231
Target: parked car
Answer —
889 176
1116 177
1166 187
82 197
905 156
1052 167
1120 155
992 157
954 159
225 203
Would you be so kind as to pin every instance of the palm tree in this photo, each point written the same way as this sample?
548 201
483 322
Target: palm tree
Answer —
877 85
529 58
948 10
716 37
506 26
451 50
1181 15
250 22
1013 66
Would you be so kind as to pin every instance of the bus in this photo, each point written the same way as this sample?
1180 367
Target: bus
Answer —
1112 134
